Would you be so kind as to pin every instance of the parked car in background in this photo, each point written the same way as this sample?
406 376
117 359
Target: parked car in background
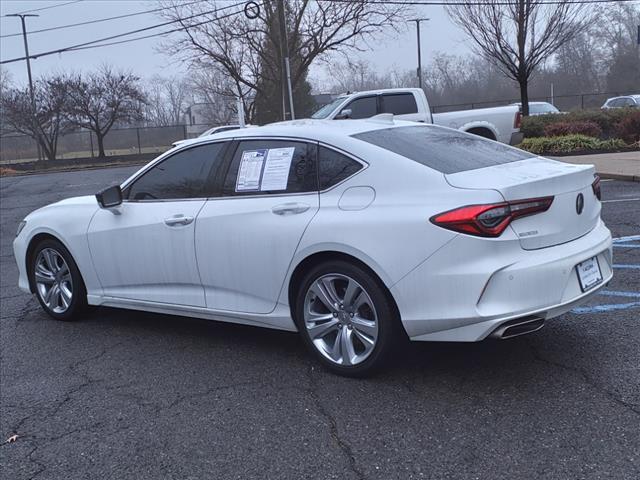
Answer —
354 233
213 131
499 123
539 108
632 101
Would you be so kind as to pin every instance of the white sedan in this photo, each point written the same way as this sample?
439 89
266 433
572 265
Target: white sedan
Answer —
353 233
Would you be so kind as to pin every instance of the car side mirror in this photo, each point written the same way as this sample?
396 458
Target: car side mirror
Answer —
109 197
344 114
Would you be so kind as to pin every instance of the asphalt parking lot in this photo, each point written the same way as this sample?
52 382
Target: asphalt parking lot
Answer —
129 395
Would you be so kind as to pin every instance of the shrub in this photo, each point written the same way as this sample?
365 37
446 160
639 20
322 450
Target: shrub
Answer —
629 128
583 127
534 126
568 144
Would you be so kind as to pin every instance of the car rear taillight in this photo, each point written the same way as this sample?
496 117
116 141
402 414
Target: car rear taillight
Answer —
489 220
517 121
596 187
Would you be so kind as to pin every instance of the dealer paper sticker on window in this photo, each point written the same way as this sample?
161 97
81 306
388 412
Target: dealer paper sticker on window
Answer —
276 169
250 171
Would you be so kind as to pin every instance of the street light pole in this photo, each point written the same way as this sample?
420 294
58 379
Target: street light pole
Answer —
286 69
418 20
26 54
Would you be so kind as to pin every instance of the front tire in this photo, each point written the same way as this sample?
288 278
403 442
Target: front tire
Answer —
346 318
58 284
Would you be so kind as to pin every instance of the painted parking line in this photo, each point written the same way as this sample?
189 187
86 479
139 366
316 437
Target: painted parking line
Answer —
621 200
611 306
615 293
605 308
625 266
630 238
624 245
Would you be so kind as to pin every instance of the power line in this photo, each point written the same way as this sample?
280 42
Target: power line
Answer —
91 44
85 45
480 2
99 20
160 34
47 8
398 2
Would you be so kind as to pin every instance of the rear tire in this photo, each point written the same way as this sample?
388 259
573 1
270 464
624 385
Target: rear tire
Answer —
58 284
346 318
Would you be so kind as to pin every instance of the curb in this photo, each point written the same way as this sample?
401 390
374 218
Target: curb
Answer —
619 176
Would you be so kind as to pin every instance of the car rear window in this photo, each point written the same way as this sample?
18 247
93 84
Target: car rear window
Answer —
448 151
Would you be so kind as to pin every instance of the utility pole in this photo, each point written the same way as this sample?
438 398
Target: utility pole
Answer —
26 54
418 20
286 69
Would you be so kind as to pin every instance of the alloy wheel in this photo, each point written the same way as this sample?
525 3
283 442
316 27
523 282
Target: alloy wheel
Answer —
341 319
53 280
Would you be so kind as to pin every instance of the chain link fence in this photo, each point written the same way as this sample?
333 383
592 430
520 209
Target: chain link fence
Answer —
564 103
118 142
146 140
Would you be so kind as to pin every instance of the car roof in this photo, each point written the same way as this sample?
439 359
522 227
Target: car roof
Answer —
533 103
328 131
636 97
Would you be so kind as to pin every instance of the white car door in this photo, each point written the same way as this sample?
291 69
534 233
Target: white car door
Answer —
144 250
247 237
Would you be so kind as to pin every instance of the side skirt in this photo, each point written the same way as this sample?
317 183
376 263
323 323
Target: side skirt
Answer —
279 319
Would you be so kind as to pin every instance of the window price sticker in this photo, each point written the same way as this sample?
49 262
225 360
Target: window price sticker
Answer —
250 171
264 170
276 169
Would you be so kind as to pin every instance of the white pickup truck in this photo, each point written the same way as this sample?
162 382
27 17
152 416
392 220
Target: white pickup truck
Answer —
498 123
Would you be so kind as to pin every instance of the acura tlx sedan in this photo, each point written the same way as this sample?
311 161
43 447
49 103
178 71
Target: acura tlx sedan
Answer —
355 233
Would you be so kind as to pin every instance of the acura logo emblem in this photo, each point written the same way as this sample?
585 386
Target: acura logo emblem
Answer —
579 203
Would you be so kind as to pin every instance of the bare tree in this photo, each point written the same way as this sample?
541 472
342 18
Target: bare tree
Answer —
6 83
48 122
616 29
518 37
212 90
248 50
101 99
167 100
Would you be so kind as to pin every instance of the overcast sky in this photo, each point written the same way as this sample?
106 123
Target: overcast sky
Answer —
386 52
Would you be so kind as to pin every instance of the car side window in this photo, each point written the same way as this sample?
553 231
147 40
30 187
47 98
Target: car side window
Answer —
334 167
363 107
185 174
399 104
537 108
261 167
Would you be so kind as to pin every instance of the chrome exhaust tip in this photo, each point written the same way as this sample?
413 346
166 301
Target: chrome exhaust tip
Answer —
517 327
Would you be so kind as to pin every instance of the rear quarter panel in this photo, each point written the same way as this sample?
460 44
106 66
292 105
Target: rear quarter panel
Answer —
393 234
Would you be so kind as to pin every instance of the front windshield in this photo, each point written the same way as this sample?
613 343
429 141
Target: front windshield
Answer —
207 132
328 108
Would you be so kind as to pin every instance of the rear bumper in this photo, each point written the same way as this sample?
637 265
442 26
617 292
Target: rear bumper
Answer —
516 138
471 286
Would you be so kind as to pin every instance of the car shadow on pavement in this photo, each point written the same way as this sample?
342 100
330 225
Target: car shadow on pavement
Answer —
516 361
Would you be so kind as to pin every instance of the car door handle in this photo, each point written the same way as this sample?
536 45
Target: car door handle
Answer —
292 208
178 220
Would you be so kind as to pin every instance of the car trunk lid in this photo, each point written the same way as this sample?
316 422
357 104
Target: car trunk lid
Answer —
575 209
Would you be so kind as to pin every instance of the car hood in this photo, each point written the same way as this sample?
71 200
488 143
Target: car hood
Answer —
85 200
